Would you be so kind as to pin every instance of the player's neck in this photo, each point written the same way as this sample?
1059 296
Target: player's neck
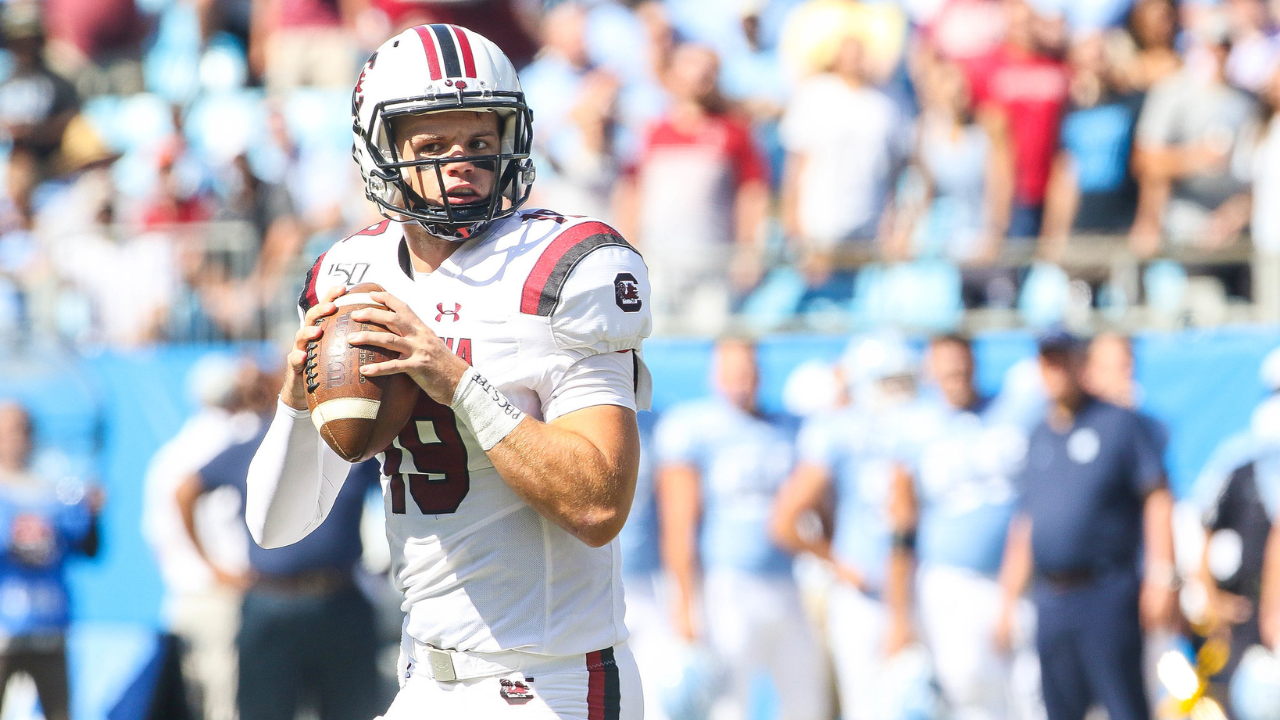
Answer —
427 250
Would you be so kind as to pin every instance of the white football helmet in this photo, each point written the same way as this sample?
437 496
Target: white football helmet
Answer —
436 68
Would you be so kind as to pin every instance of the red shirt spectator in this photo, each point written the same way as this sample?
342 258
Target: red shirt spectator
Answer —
689 179
95 27
1031 90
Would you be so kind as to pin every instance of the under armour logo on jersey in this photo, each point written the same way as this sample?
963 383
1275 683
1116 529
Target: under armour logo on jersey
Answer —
441 312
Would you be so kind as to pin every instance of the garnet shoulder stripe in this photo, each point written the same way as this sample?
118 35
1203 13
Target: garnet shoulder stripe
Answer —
464 47
429 47
604 693
542 288
372 230
447 50
308 299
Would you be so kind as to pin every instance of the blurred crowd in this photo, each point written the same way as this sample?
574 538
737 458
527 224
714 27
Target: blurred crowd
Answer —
173 165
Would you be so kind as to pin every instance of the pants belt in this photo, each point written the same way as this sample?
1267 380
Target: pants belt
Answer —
451 665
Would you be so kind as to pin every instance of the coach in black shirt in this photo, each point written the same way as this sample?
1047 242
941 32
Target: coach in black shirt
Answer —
1093 495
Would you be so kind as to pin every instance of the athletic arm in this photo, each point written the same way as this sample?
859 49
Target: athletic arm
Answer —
903 517
1269 604
1015 574
1159 586
679 509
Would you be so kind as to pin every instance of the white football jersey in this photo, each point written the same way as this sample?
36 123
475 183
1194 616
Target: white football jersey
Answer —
481 570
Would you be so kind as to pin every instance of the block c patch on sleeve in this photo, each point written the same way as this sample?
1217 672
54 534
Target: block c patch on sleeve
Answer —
626 293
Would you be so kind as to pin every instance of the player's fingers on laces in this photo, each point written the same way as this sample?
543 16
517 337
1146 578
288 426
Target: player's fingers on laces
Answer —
390 341
390 367
297 359
305 335
318 311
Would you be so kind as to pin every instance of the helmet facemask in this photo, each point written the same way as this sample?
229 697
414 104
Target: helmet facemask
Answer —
386 183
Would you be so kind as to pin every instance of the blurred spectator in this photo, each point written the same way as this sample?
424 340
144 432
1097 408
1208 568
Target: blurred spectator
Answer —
1152 32
963 496
1093 495
202 599
43 522
1025 87
1091 188
510 24
1193 151
846 145
1264 226
576 109
695 202
298 43
963 164
234 17
129 280
854 454
98 44
1254 50
179 196
721 462
307 636
35 103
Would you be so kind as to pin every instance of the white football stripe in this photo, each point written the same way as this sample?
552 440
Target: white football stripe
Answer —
344 408
361 298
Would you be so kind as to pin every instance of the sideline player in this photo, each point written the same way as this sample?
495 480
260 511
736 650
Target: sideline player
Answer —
856 453
965 498
506 489
721 461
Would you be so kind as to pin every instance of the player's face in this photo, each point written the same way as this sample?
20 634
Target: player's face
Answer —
952 367
455 135
736 374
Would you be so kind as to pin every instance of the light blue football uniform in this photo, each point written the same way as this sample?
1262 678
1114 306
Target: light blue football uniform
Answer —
638 540
860 450
743 460
964 481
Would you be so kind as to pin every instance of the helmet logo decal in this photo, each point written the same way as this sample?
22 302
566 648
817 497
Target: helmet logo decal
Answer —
360 83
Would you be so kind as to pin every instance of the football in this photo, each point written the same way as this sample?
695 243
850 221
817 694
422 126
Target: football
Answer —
357 416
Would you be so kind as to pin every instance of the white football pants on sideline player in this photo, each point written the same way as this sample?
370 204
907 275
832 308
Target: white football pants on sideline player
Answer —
756 622
855 631
650 638
958 610
603 685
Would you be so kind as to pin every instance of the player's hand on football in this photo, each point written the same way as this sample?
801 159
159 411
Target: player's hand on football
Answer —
423 355
294 392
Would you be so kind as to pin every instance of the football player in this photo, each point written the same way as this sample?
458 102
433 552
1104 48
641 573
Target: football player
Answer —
507 487
721 461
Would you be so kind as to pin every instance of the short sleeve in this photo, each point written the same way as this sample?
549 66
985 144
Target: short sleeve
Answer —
230 467
796 130
1148 467
675 438
605 379
816 443
748 163
603 303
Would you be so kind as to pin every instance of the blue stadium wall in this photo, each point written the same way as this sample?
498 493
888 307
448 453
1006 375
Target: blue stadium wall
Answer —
116 407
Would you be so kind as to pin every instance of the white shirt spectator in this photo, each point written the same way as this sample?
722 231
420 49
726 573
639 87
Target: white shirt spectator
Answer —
130 284
853 141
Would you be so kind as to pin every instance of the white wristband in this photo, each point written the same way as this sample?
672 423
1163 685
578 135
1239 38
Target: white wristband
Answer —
484 409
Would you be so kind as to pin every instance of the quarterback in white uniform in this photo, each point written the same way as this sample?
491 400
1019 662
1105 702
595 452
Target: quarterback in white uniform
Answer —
507 487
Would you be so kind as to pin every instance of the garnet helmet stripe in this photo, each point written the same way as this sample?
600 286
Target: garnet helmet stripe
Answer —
429 47
464 47
448 50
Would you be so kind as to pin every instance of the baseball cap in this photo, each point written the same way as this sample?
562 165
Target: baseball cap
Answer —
1058 339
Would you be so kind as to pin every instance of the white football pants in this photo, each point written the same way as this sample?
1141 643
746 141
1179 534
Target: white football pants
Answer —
958 611
603 685
855 632
756 622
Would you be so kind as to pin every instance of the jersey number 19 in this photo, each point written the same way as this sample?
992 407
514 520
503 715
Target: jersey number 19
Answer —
432 439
